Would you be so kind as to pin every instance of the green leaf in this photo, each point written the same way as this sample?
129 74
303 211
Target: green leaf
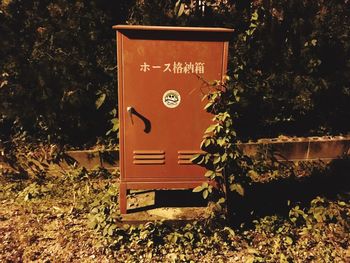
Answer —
181 9
255 16
250 259
341 203
197 189
200 160
205 194
111 230
219 128
105 231
252 251
126 226
215 83
92 224
283 258
100 100
177 7
174 238
288 240
202 144
217 174
207 158
113 112
209 173
211 128
318 217
224 157
195 157
221 200
221 142
115 122
94 210
230 230
207 142
253 175
217 159
237 188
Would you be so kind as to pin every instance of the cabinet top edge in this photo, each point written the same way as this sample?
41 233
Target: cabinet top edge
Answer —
173 28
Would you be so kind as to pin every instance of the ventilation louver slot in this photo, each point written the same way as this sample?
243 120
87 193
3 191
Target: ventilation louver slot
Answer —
184 157
149 157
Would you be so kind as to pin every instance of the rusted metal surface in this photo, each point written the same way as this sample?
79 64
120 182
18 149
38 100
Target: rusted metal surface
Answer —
173 29
324 148
161 76
91 159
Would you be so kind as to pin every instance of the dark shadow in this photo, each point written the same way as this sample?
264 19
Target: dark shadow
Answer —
67 158
170 198
263 199
146 121
110 157
178 35
179 198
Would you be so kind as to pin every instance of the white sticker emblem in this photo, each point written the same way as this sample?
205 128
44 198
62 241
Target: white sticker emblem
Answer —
171 99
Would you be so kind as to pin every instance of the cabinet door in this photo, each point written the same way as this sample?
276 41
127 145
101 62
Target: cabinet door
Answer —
161 86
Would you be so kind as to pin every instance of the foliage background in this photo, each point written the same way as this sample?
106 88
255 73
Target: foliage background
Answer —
289 66
58 73
293 68
58 68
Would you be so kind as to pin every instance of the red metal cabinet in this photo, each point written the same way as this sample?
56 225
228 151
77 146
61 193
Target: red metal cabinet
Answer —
162 74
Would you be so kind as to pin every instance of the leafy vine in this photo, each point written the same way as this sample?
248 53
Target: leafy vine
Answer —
226 165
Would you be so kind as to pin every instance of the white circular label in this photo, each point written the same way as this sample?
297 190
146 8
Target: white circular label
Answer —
171 98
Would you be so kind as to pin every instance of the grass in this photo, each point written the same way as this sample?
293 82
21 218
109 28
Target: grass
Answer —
50 221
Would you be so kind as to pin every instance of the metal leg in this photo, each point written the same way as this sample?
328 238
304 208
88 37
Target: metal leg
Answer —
122 198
